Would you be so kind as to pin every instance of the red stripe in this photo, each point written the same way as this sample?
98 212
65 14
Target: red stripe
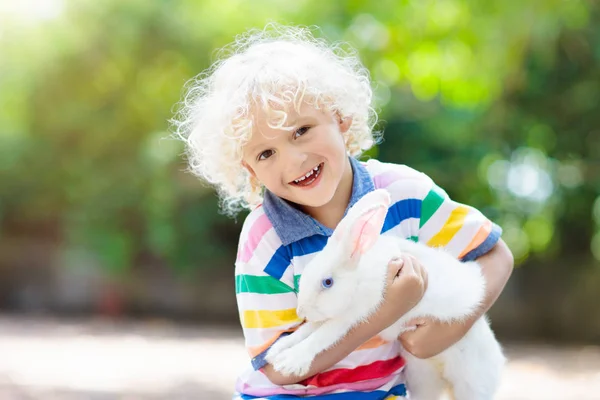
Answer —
378 369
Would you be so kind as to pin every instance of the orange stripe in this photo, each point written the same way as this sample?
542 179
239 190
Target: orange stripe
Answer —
480 236
256 350
372 343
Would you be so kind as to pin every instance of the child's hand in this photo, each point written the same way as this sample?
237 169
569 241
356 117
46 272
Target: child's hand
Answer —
432 336
405 285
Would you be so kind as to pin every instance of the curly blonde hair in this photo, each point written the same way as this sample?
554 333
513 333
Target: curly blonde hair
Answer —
273 68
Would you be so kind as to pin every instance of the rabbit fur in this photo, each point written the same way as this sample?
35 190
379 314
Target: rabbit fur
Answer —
345 283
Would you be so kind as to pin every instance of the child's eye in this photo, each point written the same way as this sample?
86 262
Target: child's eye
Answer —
300 131
265 154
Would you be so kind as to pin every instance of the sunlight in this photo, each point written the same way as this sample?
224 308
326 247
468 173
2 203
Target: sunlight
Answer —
31 10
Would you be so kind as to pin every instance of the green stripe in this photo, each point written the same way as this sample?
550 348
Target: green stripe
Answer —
296 282
431 203
260 285
413 238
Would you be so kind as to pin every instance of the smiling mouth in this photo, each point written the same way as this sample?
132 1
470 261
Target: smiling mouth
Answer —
309 178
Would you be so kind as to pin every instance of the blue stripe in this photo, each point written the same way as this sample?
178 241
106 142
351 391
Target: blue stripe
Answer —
485 246
400 211
399 390
309 245
278 263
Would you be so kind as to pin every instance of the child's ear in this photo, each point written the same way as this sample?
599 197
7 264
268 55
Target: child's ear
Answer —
343 122
254 182
248 168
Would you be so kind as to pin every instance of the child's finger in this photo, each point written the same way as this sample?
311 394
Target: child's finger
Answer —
416 322
421 272
414 267
406 336
408 267
394 267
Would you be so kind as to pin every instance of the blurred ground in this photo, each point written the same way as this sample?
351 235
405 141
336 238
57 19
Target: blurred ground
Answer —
97 359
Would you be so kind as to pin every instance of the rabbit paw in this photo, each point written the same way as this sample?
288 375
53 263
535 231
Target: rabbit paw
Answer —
280 345
293 361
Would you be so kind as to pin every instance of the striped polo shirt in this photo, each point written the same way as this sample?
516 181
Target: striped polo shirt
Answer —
277 241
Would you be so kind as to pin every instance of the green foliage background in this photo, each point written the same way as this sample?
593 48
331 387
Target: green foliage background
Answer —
496 100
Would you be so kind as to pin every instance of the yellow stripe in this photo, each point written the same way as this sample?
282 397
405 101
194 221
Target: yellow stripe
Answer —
269 318
453 224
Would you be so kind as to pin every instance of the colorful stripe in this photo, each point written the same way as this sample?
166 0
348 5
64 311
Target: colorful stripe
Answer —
256 350
400 211
255 235
372 343
277 301
309 245
398 390
480 236
451 227
278 263
431 203
375 370
486 246
382 181
269 318
260 284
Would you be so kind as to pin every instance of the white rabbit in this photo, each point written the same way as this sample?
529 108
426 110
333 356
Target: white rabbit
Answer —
345 283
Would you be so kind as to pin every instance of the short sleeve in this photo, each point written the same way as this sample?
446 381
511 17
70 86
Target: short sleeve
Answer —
460 229
264 287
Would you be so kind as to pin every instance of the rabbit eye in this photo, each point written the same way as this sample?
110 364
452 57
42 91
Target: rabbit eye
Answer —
327 283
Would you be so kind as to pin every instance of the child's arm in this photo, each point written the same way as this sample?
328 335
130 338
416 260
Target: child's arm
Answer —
356 337
432 337
406 283
465 233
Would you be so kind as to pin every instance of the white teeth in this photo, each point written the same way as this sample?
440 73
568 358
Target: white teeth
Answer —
309 173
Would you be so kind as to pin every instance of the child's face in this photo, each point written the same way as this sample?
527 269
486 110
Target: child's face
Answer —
281 159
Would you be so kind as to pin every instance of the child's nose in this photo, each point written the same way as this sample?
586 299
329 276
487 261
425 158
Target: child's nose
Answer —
296 156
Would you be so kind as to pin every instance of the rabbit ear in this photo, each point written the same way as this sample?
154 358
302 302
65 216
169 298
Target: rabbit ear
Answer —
366 229
361 226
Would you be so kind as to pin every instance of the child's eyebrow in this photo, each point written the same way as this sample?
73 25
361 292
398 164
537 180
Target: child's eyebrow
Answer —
258 147
253 149
300 119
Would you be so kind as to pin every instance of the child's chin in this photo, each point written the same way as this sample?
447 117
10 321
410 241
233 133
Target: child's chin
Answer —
314 199
312 203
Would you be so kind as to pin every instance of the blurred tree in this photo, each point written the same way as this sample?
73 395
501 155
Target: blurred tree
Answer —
495 100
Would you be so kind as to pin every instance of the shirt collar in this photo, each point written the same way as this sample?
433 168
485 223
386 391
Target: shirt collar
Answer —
291 224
